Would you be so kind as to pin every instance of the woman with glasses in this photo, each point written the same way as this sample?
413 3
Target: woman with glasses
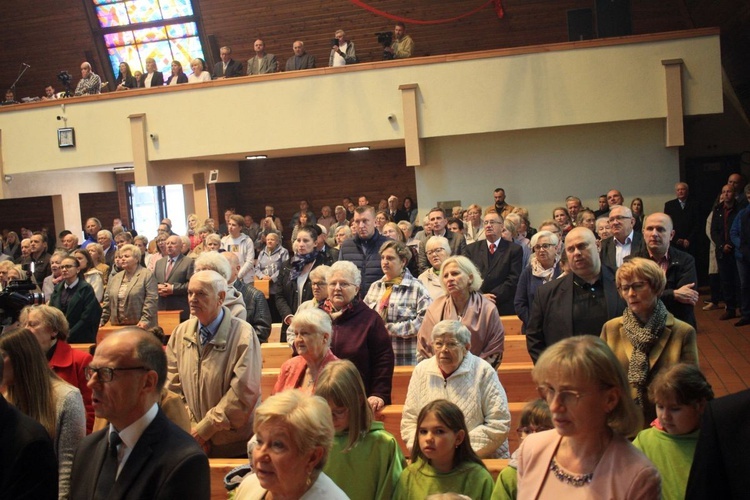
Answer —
359 333
437 249
587 454
320 294
463 301
77 300
647 338
544 266
455 374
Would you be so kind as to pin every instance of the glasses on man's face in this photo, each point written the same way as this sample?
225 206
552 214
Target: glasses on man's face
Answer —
543 246
637 286
105 373
435 251
439 345
566 398
491 222
617 218
318 284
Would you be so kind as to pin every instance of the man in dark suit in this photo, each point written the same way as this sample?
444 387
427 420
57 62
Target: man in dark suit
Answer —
685 218
77 300
720 465
396 213
228 67
28 465
624 241
499 262
300 59
577 304
172 274
680 295
140 454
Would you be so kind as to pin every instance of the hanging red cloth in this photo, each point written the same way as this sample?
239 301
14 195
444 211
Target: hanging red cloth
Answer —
497 5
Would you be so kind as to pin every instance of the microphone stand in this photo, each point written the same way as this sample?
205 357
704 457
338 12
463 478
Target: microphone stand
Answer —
25 67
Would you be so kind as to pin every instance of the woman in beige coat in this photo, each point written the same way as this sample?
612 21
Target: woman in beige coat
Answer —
131 296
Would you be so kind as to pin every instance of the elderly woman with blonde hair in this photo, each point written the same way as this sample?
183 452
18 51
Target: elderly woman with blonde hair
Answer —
587 454
474 229
131 296
464 302
647 338
294 433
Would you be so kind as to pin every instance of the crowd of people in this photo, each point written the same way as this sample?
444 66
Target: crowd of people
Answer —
607 311
343 53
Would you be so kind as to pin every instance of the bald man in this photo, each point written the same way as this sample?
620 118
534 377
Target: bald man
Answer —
90 83
577 304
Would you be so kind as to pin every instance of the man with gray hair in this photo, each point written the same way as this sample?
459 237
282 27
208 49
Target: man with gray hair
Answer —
624 241
300 59
172 273
70 242
227 67
104 238
214 365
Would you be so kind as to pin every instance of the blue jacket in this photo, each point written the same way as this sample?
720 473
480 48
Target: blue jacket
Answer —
365 254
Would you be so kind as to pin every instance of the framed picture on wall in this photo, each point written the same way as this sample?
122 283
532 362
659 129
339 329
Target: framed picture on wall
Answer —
66 138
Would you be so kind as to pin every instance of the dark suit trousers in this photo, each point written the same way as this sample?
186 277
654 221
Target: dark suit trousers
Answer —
729 281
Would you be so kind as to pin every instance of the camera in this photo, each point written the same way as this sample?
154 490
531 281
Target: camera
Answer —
385 38
65 78
16 296
334 42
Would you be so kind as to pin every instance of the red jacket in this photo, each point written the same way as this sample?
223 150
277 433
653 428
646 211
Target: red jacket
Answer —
68 364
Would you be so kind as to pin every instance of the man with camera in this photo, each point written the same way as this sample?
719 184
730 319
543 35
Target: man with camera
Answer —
342 52
403 46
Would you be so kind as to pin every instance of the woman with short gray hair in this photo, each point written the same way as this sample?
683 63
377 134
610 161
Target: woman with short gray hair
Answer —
464 379
437 249
544 266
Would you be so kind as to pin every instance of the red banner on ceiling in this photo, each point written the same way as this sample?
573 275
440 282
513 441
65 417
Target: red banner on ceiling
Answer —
497 5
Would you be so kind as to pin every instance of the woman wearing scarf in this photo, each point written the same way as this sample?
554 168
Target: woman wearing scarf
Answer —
359 333
544 266
400 299
296 286
647 338
464 302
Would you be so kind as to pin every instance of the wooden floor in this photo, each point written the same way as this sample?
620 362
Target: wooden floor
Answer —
724 351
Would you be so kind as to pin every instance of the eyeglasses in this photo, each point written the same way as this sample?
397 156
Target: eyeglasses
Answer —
337 284
567 398
545 246
439 345
318 284
106 374
66 266
531 429
616 218
491 222
636 286
435 251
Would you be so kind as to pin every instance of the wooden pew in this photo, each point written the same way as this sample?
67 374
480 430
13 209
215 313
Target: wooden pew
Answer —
511 324
220 467
275 333
515 377
391 418
167 320
82 347
515 349
263 286
274 354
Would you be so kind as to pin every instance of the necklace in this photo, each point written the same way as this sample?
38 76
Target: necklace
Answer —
565 477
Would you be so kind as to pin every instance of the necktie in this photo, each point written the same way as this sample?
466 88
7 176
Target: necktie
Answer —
169 268
205 335
492 249
108 474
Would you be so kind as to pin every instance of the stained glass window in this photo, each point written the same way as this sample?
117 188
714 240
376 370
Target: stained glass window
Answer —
137 29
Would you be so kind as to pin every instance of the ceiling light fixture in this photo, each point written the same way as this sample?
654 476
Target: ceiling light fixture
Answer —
360 148
256 157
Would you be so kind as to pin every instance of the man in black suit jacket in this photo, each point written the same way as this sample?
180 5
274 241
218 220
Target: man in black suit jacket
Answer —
720 465
686 219
228 67
77 300
438 223
621 224
156 458
577 304
173 286
28 465
396 213
680 294
499 262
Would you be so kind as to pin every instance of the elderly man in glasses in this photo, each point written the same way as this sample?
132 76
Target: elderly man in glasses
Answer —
141 453
624 241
